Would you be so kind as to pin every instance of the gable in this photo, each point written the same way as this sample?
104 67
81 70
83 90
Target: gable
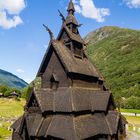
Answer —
55 73
17 124
68 62
45 60
64 36
70 34
63 33
32 104
111 103
20 128
74 64
52 56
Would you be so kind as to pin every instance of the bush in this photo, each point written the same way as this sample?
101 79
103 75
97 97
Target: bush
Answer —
7 93
132 103
7 90
26 92
3 88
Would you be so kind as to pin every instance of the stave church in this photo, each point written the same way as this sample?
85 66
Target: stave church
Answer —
73 103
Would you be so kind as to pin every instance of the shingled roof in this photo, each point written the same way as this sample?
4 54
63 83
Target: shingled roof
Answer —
73 36
17 124
71 19
71 6
69 127
71 63
72 100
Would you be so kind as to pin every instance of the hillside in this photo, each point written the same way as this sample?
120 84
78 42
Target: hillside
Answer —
11 80
116 53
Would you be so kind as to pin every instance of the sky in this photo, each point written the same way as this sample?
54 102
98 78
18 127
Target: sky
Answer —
23 39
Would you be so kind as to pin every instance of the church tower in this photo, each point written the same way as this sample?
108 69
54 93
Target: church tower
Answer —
73 102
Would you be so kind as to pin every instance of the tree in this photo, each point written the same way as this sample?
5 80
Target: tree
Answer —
133 103
3 88
27 91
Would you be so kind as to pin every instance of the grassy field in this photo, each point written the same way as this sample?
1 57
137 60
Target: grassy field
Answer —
4 130
130 111
133 120
10 109
133 124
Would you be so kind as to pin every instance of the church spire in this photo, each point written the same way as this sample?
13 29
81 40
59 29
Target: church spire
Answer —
69 33
71 8
70 19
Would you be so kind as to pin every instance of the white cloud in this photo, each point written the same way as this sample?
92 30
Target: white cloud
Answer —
19 71
8 23
9 13
133 3
88 9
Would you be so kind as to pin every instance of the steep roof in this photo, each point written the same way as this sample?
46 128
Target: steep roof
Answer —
71 63
16 125
72 100
73 36
71 6
71 19
72 127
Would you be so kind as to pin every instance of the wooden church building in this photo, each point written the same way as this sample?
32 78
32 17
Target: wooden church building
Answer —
72 103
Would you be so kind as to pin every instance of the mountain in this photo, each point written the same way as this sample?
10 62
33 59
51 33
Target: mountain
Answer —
11 80
116 53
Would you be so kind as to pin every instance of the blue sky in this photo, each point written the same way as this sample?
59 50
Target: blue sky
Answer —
23 40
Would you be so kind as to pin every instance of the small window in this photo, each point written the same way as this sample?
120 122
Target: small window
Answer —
34 103
69 26
78 51
68 45
54 82
65 37
74 29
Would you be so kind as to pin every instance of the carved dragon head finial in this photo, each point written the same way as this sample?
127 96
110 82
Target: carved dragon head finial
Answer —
50 32
62 16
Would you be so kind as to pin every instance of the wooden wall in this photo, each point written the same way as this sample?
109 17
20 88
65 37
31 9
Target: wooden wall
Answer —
55 67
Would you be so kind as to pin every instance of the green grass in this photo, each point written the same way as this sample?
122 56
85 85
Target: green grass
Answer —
130 111
133 121
4 132
9 109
